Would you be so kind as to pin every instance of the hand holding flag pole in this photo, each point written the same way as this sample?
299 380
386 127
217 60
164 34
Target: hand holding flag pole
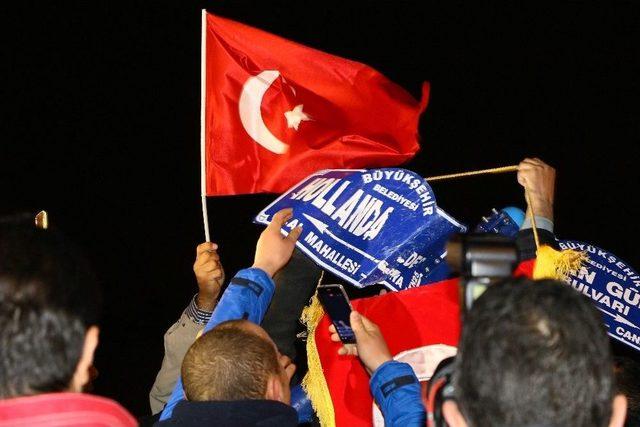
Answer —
308 81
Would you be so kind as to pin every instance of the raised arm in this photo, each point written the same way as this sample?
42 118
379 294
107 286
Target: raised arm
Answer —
393 384
250 291
209 275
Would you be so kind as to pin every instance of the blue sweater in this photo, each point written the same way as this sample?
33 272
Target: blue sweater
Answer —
393 385
247 297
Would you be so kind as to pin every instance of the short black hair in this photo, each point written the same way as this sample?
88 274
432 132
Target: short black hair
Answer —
534 353
48 299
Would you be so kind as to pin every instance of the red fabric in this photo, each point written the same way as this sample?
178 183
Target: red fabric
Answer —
525 268
408 319
64 409
358 118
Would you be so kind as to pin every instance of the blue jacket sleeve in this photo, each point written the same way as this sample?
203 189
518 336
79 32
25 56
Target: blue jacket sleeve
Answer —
247 297
396 389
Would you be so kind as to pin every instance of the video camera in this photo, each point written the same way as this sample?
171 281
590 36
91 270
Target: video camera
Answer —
481 260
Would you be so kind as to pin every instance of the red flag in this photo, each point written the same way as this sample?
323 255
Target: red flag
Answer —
421 327
276 111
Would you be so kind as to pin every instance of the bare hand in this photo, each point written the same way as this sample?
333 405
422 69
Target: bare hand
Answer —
287 365
370 344
538 178
209 274
274 250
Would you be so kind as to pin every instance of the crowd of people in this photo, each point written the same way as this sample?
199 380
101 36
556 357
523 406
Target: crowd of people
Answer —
532 353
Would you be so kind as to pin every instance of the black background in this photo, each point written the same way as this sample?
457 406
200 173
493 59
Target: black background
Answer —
100 125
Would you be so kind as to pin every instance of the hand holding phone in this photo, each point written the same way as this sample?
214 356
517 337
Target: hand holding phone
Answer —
370 345
336 303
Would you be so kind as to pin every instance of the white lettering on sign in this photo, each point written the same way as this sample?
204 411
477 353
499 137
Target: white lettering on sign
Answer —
600 297
584 274
627 273
629 295
627 335
399 198
312 189
327 252
393 274
361 215
412 260
416 279
413 183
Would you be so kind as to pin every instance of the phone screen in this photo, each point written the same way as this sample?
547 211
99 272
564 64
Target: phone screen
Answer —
336 304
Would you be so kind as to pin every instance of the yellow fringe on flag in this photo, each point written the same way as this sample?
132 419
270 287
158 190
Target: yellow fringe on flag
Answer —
550 263
314 383
553 264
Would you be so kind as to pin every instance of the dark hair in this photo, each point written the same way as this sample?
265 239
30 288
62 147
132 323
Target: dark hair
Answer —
229 363
534 353
48 299
627 371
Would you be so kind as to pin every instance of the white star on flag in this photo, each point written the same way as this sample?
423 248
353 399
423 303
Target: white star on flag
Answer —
295 116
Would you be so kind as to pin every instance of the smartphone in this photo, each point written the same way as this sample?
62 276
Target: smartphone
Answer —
336 303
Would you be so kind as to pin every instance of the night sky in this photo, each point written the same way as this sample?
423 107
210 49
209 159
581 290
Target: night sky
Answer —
100 126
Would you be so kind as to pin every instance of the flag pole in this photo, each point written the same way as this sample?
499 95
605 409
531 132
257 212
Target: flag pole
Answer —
203 93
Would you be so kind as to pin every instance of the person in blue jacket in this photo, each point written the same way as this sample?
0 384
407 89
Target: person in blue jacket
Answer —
393 384
248 297
250 291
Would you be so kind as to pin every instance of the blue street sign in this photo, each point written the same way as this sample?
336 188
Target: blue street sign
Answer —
369 226
614 287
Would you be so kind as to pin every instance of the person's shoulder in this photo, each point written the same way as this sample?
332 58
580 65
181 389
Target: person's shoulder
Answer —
70 408
251 412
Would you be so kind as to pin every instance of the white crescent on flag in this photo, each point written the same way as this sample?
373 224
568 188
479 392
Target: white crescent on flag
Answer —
250 106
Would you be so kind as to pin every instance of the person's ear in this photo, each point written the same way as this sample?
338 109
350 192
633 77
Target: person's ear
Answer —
619 411
452 414
274 389
82 374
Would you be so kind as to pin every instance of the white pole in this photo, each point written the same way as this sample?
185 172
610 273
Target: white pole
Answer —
203 96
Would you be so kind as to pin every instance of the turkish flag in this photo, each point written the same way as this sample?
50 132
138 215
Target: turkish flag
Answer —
276 111
421 327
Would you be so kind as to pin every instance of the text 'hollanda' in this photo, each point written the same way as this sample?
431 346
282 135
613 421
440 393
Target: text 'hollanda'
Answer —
361 214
